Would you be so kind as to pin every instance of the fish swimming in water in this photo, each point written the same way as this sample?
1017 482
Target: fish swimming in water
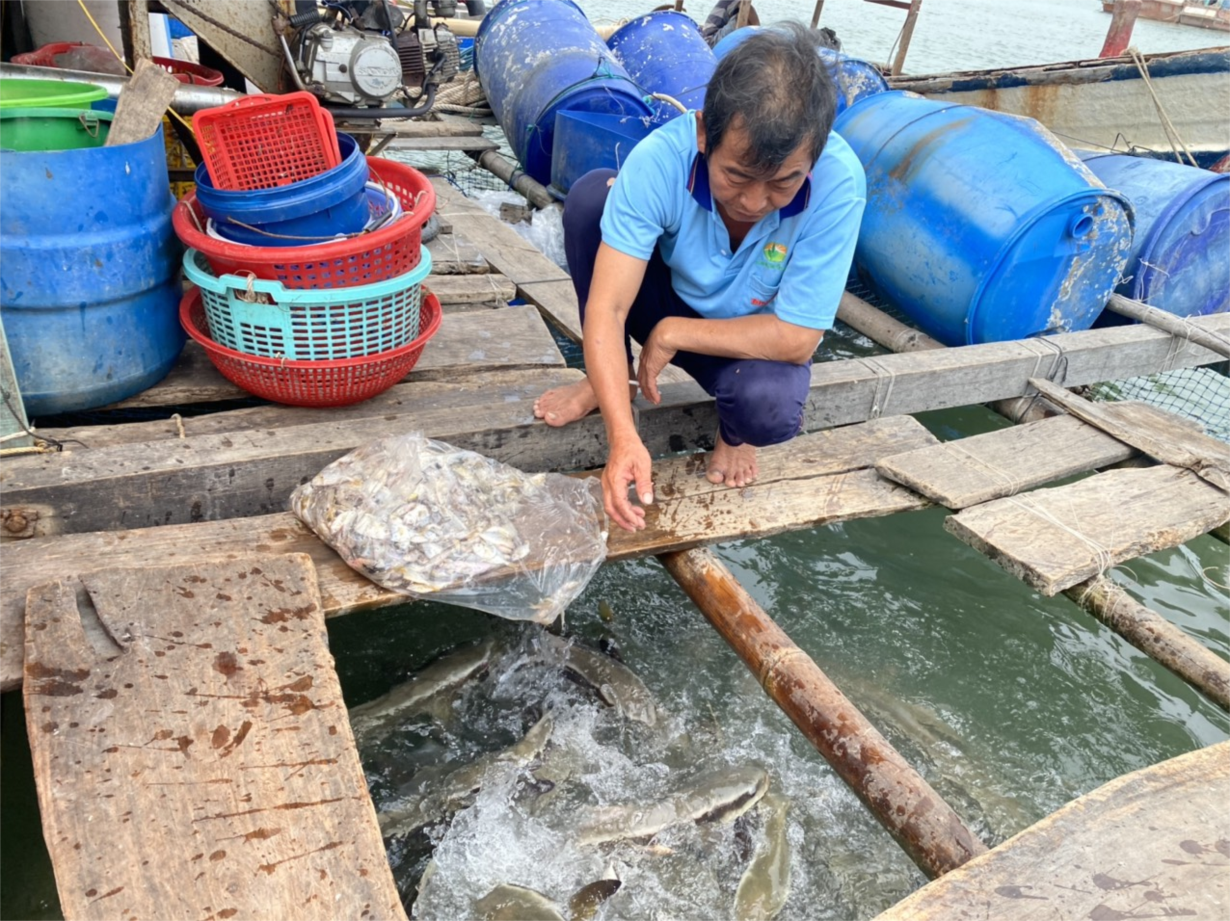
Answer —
509 902
717 796
615 683
425 692
438 797
765 883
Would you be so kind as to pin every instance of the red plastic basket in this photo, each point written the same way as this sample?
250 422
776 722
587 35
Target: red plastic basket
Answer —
311 383
263 142
370 257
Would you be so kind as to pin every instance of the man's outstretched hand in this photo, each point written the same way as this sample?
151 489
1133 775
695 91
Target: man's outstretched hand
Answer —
628 464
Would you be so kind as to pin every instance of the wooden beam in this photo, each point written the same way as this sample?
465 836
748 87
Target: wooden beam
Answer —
1056 538
925 826
199 762
811 480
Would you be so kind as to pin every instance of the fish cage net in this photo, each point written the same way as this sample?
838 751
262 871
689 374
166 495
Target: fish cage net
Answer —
1199 394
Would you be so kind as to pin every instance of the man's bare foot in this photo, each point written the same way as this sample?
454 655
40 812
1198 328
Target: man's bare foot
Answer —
732 466
569 403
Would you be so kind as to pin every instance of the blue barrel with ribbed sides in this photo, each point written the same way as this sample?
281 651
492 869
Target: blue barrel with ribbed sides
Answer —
535 58
981 227
855 78
89 273
663 52
1180 259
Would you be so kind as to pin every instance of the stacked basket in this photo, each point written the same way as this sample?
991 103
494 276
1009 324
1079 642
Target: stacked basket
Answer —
306 256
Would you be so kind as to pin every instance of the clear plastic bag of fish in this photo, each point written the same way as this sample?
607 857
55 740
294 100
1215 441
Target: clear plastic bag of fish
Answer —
429 520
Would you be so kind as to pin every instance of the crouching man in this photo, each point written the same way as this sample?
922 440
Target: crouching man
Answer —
722 247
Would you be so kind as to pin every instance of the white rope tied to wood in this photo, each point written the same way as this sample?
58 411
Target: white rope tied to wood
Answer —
1172 134
1010 482
882 373
1102 556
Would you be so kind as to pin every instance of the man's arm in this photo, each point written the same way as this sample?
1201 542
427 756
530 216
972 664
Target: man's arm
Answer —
761 335
617 279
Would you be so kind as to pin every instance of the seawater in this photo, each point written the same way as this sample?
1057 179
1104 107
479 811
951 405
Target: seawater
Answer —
1008 703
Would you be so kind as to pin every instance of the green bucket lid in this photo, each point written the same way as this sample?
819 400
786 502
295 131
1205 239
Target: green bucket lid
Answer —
53 129
48 93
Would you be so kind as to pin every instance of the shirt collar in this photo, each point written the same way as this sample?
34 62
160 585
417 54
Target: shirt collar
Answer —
698 186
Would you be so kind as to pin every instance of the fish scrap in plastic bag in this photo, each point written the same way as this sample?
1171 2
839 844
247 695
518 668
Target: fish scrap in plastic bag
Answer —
423 518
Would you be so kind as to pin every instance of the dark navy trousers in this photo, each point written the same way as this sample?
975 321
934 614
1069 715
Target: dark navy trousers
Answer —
758 402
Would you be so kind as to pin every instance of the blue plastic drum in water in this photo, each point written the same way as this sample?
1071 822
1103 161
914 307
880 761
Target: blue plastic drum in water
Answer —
663 52
1180 260
89 273
535 58
979 226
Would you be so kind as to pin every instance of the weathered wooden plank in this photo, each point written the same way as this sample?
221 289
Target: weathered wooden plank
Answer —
142 103
201 762
454 255
474 142
804 482
1055 538
487 288
510 338
459 395
1152 836
968 471
1159 434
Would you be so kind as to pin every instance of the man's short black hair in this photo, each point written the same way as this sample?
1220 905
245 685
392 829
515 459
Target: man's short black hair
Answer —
775 84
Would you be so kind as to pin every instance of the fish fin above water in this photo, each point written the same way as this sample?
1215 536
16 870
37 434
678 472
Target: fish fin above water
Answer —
586 900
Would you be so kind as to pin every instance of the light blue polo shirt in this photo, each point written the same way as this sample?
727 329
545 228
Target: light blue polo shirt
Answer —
793 262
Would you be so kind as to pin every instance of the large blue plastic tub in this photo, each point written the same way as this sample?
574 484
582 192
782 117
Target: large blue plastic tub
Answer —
535 58
310 210
89 273
979 226
1180 260
585 141
663 52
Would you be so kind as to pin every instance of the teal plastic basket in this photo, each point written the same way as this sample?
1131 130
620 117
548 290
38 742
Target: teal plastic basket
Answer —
265 318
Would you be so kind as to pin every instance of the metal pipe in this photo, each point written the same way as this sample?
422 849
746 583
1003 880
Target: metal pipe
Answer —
1119 35
926 827
189 97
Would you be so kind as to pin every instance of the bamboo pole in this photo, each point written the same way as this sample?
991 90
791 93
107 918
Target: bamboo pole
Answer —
907 33
1156 637
1148 631
1168 322
533 190
926 827
815 16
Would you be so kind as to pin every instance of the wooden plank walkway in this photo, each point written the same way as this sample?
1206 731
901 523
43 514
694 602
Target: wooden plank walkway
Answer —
197 761
1150 844
812 480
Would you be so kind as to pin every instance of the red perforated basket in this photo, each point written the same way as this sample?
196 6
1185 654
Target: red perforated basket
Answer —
264 142
387 252
311 383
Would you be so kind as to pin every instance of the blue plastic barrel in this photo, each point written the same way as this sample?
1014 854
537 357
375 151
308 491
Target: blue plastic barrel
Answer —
586 141
535 58
1180 259
663 52
979 226
855 78
89 273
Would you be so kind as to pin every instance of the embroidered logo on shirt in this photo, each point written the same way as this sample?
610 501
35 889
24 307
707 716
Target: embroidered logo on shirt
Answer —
773 256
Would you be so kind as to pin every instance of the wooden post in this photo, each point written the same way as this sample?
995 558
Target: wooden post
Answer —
924 825
1148 631
1119 35
134 28
1156 637
907 32
815 16
745 13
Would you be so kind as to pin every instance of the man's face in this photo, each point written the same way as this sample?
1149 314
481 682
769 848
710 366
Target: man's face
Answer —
741 193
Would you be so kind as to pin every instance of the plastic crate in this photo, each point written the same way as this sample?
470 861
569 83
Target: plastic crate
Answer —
266 318
262 142
387 252
311 383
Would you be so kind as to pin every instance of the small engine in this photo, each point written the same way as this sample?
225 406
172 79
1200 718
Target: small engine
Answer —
358 53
